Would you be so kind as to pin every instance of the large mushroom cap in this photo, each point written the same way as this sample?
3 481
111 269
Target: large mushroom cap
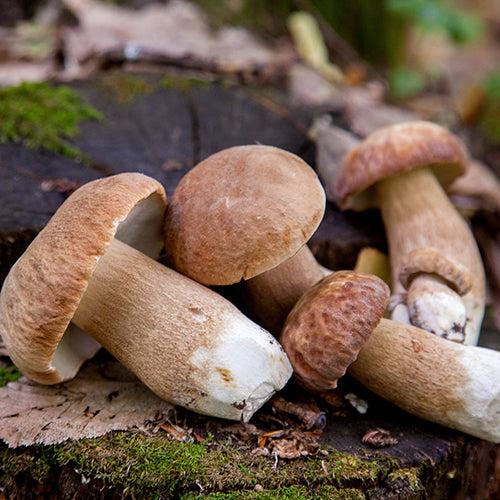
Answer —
392 150
241 212
44 287
329 324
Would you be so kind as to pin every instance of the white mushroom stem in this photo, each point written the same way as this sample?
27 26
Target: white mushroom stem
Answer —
185 342
418 214
444 382
436 308
270 296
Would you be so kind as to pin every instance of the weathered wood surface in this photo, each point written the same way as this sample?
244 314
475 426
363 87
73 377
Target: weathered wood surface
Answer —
163 133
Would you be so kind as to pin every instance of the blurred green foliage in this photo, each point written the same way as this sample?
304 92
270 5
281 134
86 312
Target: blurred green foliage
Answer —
490 117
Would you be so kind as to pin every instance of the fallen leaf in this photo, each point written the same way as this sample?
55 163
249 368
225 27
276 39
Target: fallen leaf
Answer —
102 398
176 433
298 444
379 438
175 31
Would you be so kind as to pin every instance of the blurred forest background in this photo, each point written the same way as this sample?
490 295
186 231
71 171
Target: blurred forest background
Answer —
440 58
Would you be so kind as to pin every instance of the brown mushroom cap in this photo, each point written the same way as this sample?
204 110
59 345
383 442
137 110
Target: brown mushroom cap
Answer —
395 149
44 287
427 260
241 212
330 323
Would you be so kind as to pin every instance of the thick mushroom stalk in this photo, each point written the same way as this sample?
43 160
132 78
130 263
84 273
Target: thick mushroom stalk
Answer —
434 256
400 169
185 342
272 295
90 271
451 384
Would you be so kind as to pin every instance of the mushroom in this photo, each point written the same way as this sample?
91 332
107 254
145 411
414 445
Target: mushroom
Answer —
438 276
245 214
91 269
337 325
451 384
329 324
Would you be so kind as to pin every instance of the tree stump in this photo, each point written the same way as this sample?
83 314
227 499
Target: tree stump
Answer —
162 131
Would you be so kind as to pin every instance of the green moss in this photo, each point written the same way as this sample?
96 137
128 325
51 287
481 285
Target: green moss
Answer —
42 115
182 82
125 87
285 493
8 374
157 468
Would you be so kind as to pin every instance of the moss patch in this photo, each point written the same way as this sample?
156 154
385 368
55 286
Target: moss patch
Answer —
139 466
125 87
42 115
155 467
8 374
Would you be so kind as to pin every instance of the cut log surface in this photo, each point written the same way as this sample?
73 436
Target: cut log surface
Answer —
163 133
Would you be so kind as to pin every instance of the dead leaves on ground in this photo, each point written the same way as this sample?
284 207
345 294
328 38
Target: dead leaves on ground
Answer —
102 398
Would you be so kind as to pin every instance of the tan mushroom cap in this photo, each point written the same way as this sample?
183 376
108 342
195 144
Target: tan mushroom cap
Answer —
241 212
395 149
44 287
328 326
429 260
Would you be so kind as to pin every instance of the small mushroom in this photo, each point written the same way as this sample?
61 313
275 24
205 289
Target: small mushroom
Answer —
400 169
91 269
246 214
329 324
451 384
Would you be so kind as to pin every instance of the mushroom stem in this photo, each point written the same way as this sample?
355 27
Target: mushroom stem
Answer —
188 344
271 295
444 382
434 223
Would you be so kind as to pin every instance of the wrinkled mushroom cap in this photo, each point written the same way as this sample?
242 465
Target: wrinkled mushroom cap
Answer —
240 212
396 149
44 287
328 326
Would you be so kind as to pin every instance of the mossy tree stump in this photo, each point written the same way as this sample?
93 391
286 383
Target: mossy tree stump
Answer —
162 126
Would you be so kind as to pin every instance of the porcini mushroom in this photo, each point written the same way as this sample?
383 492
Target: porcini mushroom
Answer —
337 326
400 169
246 213
329 324
91 270
451 384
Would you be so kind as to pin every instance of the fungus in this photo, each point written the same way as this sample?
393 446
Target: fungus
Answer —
400 169
91 271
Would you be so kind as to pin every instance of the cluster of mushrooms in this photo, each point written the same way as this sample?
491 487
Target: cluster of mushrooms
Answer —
243 217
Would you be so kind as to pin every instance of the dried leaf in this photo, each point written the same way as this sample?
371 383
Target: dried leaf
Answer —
176 31
379 438
90 405
176 433
298 444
